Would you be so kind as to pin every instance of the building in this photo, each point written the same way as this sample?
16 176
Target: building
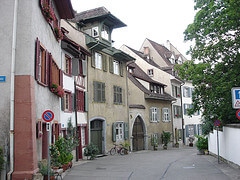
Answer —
107 79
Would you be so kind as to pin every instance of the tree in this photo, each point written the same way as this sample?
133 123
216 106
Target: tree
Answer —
216 33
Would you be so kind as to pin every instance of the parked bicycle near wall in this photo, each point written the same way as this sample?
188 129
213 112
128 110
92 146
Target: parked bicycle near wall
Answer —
118 149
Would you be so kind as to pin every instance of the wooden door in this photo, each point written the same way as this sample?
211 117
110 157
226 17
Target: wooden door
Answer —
138 135
96 134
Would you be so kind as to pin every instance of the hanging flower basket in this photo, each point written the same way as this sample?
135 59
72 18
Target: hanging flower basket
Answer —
58 33
48 12
56 89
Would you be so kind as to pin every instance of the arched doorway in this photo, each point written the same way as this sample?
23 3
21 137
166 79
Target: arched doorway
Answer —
96 134
138 135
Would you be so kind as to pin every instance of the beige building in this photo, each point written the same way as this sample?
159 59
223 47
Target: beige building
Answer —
107 80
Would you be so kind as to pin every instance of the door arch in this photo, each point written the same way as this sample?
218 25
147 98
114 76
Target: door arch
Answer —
138 135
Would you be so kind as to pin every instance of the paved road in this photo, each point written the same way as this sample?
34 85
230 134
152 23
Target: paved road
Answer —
172 164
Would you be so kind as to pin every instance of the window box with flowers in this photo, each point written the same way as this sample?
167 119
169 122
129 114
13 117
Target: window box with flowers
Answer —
57 89
58 33
48 12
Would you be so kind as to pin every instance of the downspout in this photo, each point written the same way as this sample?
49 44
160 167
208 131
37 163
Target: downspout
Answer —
77 147
12 76
183 133
172 110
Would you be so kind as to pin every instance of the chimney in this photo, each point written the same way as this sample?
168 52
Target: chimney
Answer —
146 52
168 45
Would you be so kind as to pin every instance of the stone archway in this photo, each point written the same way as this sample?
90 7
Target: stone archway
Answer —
138 135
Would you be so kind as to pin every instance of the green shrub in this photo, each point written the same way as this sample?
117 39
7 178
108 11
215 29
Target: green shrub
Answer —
202 143
166 137
91 150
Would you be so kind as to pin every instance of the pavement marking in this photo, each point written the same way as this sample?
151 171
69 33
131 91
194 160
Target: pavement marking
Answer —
130 175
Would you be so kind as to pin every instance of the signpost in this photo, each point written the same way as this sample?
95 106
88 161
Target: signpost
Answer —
48 117
217 123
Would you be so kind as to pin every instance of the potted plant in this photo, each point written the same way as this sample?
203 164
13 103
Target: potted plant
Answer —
54 154
127 146
191 139
166 139
58 33
154 142
48 12
202 144
91 150
57 89
43 169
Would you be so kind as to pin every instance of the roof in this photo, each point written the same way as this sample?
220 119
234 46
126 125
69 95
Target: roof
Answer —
148 94
65 9
100 13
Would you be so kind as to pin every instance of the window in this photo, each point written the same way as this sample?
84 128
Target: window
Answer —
156 89
176 91
119 131
177 111
165 115
99 92
98 60
150 72
83 137
116 67
154 114
68 65
95 32
67 101
80 100
41 63
118 95
187 91
105 32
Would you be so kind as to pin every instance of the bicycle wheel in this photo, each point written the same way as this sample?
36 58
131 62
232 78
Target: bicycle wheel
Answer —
113 151
122 151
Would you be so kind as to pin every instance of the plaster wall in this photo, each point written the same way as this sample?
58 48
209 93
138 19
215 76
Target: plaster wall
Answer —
228 148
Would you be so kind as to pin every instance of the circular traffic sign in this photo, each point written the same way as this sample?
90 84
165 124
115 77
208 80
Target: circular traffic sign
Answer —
238 114
217 122
48 116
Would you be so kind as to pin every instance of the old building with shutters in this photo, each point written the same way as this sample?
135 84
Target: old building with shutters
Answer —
107 79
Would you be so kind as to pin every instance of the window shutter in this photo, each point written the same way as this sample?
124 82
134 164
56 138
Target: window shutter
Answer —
184 107
37 54
84 68
47 68
158 115
173 91
104 59
195 129
189 92
150 114
126 130
198 130
75 67
85 101
110 64
95 91
59 129
103 92
73 103
93 60
60 77
123 96
114 132
121 68
63 103
50 70
187 131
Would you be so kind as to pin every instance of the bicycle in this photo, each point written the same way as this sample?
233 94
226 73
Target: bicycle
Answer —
119 149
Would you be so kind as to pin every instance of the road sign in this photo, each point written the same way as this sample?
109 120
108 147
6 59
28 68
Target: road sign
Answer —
238 114
217 122
48 116
236 98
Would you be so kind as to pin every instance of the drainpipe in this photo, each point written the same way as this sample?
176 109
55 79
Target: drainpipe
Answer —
75 108
183 134
14 39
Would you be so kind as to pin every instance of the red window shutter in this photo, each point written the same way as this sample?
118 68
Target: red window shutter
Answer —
80 67
50 70
37 53
47 68
61 78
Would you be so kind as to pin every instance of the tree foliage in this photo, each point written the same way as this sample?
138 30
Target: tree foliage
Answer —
216 33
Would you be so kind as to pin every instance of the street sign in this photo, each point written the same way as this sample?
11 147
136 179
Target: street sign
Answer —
2 78
217 122
238 114
48 116
236 98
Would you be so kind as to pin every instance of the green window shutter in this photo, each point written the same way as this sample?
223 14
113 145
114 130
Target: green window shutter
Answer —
85 101
123 96
84 68
63 103
93 60
121 68
104 60
114 94
126 130
150 114
110 64
163 111
95 91
158 115
187 131
103 92
114 132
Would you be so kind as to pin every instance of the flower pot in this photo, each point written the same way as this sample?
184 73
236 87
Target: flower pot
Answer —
191 144
164 146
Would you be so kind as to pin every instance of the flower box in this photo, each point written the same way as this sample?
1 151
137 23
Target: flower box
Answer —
57 89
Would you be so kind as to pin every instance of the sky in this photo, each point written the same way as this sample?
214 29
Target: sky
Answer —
157 20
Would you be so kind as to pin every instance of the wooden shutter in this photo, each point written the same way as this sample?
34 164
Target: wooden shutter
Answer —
195 129
184 108
198 129
121 68
47 68
50 70
114 132
103 92
173 91
84 68
63 103
163 112
95 91
123 96
93 60
37 54
104 60
187 131
60 77
75 67
73 102
126 130
110 64
85 101
158 115
150 114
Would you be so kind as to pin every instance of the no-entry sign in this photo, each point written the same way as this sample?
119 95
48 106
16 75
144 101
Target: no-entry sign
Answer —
238 114
48 116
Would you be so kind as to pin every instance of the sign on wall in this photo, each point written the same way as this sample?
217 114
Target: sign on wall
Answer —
236 98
